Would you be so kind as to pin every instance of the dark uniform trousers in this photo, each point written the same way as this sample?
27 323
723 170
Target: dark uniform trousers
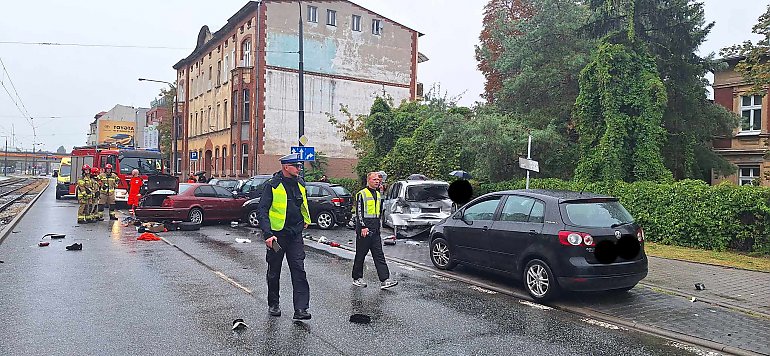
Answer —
372 242
294 249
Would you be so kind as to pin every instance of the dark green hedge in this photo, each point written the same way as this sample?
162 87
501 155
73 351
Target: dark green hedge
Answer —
686 213
352 185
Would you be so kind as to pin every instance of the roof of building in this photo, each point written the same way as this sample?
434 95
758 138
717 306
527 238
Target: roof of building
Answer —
202 44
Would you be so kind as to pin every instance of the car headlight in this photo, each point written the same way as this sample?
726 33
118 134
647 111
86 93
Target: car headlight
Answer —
413 210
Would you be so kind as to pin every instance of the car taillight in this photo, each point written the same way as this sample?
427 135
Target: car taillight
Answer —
338 201
640 235
571 238
167 202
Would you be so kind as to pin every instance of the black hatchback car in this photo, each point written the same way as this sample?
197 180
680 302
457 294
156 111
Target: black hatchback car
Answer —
551 240
329 205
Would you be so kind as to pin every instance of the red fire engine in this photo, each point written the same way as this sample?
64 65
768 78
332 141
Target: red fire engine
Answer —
123 162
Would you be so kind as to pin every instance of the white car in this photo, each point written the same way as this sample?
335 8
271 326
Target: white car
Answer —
412 207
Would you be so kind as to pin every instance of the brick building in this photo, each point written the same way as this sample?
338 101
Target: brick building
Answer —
747 147
239 87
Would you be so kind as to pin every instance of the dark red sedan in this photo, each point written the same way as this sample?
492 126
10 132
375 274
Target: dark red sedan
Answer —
193 202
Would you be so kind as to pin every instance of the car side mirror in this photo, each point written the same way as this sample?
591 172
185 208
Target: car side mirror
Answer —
55 174
461 216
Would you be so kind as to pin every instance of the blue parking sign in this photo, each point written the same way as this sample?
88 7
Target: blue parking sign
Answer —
306 153
193 155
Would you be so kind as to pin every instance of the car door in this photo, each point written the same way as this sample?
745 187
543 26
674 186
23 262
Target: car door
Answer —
314 199
227 204
519 223
388 200
207 198
468 233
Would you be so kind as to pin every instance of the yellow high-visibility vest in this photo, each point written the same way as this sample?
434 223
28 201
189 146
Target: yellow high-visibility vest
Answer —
277 212
371 203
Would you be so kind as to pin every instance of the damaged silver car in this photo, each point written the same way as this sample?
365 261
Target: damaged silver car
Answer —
412 207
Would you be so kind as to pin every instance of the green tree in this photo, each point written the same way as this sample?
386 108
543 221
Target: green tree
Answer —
165 127
619 112
753 64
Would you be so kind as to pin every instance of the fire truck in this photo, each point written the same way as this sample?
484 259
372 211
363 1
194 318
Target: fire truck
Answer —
123 161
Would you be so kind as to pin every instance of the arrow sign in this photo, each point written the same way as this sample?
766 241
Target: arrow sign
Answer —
306 153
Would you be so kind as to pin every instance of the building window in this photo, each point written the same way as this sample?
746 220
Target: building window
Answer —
219 73
195 124
224 160
355 24
751 113
244 158
312 14
246 53
748 175
224 115
216 160
227 69
235 108
233 154
246 106
208 120
376 27
331 17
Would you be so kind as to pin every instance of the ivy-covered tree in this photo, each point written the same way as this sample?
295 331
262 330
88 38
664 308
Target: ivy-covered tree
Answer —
166 127
754 65
671 31
619 113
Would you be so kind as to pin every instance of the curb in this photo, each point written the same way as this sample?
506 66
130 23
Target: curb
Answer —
18 217
652 330
708 300
708 264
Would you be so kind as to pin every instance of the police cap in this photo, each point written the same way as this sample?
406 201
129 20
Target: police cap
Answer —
291 158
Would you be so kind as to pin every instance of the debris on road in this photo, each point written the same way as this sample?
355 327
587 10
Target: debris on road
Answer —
148 236
74 247
239 324
692 300
699 286
389 240
242 241
233 224
43 244
322 239
54 236
360 319
334 244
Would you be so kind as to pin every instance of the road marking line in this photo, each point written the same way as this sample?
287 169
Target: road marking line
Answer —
482 290
693 349
407 267
603 324
535 305
441 278
231 281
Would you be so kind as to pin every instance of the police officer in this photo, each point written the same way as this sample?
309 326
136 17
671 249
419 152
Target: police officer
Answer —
108 180
84 195
368 233
94 201
283 214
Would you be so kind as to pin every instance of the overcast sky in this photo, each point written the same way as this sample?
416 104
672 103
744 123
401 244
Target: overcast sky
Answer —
75 83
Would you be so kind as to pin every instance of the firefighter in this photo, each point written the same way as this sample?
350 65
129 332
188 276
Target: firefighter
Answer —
95 183
84 194
108 180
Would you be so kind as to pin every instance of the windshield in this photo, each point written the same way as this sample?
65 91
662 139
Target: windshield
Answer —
230 184
600 214
183 187
427 192
65 170
144 165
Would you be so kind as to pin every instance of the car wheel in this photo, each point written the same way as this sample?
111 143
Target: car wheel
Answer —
251 218
58 196
195 216
325 220
540 281
441 255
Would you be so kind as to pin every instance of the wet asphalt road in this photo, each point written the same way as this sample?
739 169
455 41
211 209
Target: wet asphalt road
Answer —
125 297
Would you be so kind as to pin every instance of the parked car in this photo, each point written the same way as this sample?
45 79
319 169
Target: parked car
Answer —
412 207
252 187
551 240
230 184
165 199
329 205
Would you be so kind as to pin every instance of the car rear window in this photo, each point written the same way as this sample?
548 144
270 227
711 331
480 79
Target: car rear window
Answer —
598 214
427 192
183 188
340 190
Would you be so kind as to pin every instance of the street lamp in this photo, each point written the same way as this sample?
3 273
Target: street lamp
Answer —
173 121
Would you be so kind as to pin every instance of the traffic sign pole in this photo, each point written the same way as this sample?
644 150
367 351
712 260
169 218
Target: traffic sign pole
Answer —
529 156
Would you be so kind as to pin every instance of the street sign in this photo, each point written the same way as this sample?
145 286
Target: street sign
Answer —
303 140
193 155
306 153
529 164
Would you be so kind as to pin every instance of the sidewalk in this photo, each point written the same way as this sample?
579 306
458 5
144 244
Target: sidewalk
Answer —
747 290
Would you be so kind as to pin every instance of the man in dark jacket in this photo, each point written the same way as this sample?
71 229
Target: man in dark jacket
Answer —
283 214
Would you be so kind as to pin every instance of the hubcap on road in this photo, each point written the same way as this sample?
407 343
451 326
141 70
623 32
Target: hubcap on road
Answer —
537 280
440 254
324 220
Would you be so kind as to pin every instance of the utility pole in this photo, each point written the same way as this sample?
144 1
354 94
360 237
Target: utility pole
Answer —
173 123
301 86
5 161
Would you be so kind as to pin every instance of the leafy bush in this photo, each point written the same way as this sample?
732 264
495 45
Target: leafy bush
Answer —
687 213
352 185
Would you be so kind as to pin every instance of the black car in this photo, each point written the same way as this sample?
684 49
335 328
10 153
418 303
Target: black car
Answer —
551 240
329 205
252 187
230 184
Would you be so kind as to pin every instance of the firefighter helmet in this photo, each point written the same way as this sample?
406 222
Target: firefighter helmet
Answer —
94 170
86 168
108 166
